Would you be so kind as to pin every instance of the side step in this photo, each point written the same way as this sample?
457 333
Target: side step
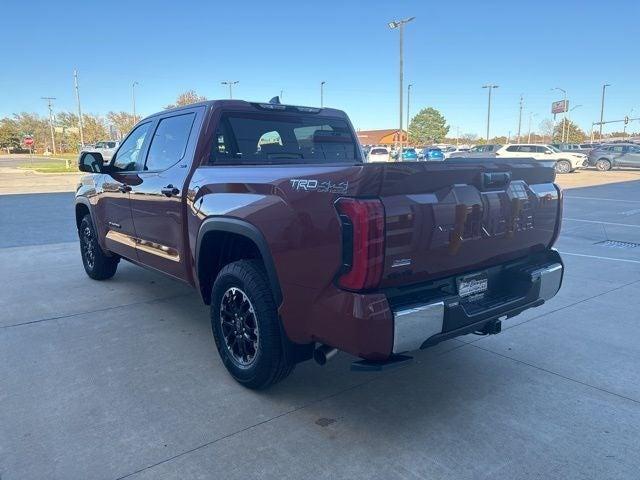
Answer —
368 366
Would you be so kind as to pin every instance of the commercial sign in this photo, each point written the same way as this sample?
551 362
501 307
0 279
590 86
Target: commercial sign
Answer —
560 106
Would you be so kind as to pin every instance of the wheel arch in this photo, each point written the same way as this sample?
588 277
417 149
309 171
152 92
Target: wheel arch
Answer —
82 208
244 237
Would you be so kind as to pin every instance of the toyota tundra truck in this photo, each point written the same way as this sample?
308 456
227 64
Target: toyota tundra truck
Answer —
301 249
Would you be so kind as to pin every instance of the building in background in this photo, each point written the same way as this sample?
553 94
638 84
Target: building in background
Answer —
381 137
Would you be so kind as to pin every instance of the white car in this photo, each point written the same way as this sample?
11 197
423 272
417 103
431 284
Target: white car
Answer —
105 148
378 154
566 162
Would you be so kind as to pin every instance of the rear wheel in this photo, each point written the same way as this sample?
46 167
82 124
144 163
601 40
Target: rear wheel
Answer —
246 328
603 164
563 166
97 263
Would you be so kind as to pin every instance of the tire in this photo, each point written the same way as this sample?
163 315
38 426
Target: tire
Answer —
246 327
563 166
97 263
603 164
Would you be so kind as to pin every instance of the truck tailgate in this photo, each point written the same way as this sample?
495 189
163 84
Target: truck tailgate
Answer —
458 216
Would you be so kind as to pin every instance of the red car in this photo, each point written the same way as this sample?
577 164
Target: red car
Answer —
301 249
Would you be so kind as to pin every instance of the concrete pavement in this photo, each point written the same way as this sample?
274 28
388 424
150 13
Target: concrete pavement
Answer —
120 379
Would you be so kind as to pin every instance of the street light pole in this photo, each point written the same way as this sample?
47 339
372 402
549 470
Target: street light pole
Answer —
624 129
520 117
490 86
75 82
569 120
230 83
408 107
531 115
53 137
322 93
400 25
133 101
602 107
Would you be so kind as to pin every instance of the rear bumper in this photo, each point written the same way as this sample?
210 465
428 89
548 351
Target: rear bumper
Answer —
422 325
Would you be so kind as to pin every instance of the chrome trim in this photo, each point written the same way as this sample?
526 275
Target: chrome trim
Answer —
550 278
144 245
122 238
411 327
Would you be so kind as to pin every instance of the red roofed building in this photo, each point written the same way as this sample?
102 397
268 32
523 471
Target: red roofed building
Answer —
381 137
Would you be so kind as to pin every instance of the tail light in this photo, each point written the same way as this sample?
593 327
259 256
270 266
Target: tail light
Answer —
362 242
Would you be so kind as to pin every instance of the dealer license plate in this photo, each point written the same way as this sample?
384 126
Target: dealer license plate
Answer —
473 287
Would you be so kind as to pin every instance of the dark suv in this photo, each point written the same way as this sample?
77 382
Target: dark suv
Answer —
613 155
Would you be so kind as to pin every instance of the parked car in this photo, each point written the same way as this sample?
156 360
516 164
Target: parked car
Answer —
409 154
573 147
301 250
105 148
379 154
432 154
609 156
565 162
479 151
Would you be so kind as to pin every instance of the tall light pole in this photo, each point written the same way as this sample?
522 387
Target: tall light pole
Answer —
564 114
322 93
520 117
399 24
489 86
604 87
408 107
531 115
75 83
133 101
624 129
230 83
53 137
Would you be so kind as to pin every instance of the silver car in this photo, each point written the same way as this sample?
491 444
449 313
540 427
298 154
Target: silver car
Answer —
613 155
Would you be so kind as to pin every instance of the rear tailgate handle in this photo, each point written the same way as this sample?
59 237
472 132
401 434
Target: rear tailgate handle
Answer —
494 180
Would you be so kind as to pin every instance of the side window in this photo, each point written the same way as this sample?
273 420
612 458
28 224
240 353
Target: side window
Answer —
617 149
527 148
169 142
128 155
513 148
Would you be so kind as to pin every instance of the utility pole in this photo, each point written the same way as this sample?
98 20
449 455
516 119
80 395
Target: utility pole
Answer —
602 107
568 119
75 82
281 94
53 137
230 83
489 86
133 101
408 107
322 93
520 117
509 138
399 24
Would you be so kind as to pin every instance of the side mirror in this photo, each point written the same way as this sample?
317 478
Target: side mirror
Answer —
91 162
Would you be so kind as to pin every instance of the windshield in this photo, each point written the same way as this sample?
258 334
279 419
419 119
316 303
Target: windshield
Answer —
279 138
553 149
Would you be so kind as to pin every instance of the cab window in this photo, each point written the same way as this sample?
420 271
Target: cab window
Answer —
127 157
169 142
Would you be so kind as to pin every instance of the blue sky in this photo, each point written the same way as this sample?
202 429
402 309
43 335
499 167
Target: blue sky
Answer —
451 48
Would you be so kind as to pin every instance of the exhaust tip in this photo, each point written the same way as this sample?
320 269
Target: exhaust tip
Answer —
323 354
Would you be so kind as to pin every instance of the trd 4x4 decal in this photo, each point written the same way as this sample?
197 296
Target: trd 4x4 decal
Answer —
324 186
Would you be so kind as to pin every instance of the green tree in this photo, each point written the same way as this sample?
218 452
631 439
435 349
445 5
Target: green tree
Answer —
572 133
428 126
187 98
122 121
36 126
9 134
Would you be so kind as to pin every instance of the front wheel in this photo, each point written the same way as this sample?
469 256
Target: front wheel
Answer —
97 263
563 166
603 165
246 328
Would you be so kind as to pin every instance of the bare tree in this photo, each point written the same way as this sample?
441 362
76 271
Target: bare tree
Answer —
187 98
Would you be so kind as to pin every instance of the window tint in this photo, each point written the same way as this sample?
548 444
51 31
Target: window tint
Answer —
541 149
513 148
128 155
240 139
617 149
527 148
169 142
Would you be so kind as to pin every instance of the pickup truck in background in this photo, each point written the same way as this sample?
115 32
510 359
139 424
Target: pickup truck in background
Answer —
105 148
301 249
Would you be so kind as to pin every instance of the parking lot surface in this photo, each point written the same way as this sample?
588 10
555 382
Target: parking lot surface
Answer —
121 379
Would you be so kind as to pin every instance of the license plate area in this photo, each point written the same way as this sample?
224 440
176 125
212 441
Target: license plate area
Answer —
473 287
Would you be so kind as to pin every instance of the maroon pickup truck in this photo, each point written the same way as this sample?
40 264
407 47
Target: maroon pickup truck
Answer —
301 249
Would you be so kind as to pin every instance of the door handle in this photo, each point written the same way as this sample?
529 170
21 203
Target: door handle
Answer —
124 188
170 191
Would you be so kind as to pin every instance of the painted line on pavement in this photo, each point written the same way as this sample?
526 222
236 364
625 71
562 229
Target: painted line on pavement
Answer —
601 223
603 199
597 257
